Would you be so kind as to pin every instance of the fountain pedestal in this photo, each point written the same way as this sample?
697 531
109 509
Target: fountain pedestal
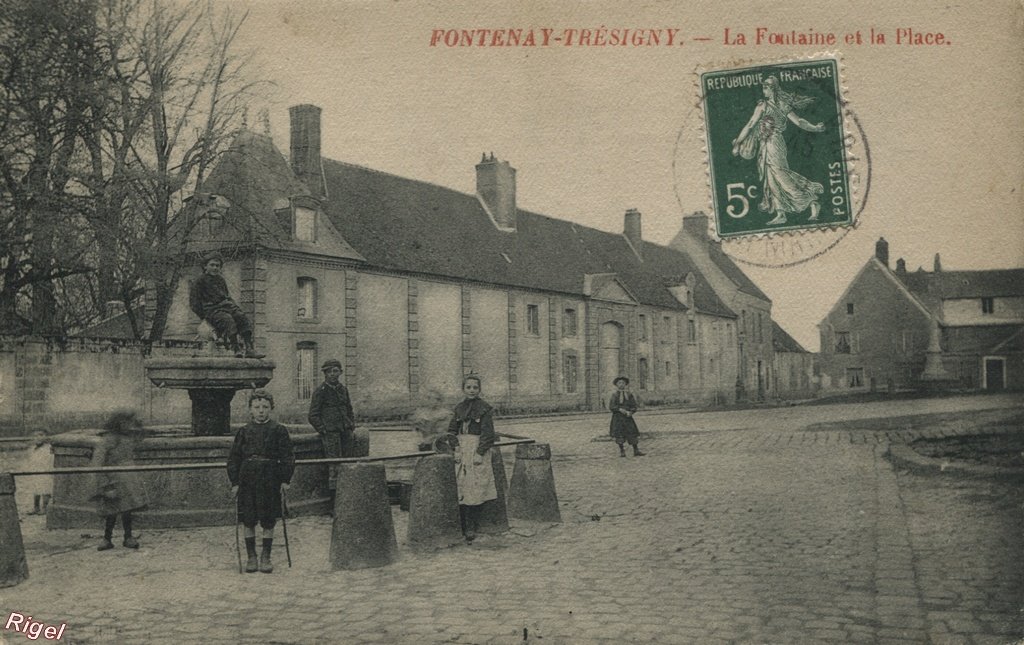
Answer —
199 497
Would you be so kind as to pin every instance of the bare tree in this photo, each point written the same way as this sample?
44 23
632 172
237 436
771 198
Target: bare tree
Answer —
40 113
117 109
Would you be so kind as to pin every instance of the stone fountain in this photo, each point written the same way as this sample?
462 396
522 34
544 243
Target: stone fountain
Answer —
188 497
211 382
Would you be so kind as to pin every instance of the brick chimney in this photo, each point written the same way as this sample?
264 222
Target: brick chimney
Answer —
305 148
632 230
937 266
901 266
696 225
496 188
882 251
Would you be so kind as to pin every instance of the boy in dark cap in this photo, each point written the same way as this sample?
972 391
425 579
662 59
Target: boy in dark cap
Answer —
209 299
623 427
330 414
260 466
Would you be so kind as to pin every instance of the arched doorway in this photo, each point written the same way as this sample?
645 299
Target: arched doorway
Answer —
611 362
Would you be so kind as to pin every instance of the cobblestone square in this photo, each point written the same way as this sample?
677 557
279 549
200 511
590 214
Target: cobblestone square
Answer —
737 527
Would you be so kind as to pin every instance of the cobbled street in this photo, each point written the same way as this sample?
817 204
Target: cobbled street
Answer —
781 525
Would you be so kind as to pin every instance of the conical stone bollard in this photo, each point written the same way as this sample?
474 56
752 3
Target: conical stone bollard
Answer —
363 533
531 494
434 504
494 514
13 566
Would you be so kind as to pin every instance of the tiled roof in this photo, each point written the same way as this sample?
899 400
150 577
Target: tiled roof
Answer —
733 272
256 178
783 342
116 326
943 285
408 225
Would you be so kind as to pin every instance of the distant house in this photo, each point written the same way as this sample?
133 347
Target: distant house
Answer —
880 332
792 367
754 327
413 285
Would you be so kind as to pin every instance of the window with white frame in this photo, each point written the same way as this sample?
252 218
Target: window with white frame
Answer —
843 342
570 372
533 320
642 373
305 370
569 322
306 296
855 377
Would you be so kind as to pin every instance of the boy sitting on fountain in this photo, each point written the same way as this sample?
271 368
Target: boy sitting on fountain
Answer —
209 299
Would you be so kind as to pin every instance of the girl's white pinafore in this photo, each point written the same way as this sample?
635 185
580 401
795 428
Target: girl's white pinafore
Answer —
475 481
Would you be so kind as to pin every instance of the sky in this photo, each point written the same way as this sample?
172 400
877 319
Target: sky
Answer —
596 130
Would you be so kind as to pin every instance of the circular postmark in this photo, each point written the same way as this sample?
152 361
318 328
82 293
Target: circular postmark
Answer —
785 160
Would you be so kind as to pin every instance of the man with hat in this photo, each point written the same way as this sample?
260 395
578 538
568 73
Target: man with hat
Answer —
330 414
623 427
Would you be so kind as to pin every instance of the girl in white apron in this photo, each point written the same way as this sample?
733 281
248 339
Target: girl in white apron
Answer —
473 428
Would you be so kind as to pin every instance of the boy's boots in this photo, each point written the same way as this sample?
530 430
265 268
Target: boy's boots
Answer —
636 451
235 345
250 347
129 541
108 532
252 565
622 450
266 566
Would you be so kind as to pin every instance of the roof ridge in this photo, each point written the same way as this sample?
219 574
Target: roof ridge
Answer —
474 195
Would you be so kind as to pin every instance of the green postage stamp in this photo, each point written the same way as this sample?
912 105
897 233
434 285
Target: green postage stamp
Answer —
776 147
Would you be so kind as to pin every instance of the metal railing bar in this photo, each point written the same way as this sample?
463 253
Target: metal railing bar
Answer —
86 470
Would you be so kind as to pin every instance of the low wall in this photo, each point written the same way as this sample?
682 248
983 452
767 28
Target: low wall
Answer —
49 385
177 498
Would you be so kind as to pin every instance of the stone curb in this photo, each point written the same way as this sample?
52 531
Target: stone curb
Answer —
906 457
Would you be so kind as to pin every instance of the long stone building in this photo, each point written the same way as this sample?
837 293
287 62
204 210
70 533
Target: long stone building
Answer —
413 285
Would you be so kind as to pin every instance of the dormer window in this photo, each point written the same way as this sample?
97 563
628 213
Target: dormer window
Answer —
305 224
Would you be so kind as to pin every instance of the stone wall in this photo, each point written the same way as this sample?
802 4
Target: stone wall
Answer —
50 385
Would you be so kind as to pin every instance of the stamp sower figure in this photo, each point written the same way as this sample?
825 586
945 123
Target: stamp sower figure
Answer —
472 436
782 190
330 414
209 299
118 493
260 466
623 428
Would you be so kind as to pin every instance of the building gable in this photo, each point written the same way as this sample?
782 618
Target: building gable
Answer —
607 287
873 265
261 201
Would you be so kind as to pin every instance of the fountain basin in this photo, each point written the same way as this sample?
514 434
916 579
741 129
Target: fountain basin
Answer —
211 382
209 372
178 498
